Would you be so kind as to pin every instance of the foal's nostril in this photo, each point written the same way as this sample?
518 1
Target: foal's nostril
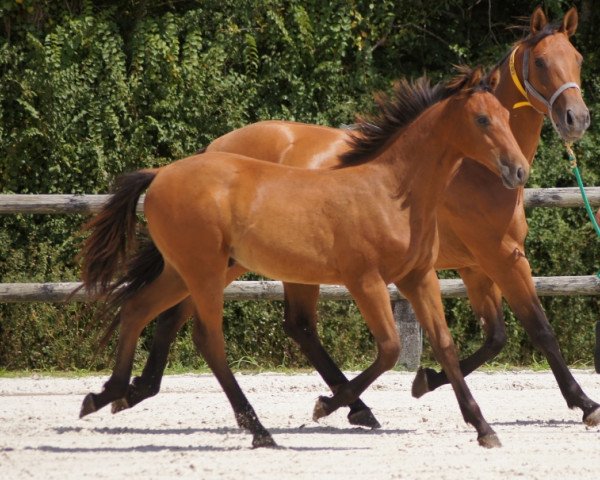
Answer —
570 118
520 174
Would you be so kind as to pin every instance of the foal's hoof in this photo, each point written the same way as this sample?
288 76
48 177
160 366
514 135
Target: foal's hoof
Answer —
88 406
321 408
119 405
420 385
593 418
263 440
363 418
490 440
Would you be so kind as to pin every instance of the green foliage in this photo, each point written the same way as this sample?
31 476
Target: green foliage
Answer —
92 89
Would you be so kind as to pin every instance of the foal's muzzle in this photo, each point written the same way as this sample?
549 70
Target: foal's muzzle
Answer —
513 176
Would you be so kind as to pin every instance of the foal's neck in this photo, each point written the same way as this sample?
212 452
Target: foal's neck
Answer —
421 160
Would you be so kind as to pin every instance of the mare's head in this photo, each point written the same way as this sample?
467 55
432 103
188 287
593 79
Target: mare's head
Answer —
479 126
549 68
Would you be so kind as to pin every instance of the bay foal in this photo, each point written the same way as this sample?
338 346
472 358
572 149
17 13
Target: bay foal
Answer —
365 225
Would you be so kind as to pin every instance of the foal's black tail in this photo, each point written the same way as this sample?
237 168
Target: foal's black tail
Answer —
113 233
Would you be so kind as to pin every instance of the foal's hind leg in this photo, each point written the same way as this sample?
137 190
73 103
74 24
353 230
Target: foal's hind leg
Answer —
300 323
168 324
209 339
148 383
486 301
424 295
135 314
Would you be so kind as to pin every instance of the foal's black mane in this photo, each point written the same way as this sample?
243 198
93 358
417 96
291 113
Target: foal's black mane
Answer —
408 101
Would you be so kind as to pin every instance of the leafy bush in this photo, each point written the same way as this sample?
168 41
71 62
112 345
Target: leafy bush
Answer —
92 89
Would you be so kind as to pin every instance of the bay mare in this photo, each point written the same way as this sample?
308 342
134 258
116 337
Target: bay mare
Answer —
491 262
364 225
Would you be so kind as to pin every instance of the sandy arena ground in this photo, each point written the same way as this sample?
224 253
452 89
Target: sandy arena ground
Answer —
188 431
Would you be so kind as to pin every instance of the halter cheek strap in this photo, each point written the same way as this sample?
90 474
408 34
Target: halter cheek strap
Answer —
530 89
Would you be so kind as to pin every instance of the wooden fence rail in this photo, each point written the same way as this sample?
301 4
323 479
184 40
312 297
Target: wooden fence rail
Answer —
85 204
269 290
266 290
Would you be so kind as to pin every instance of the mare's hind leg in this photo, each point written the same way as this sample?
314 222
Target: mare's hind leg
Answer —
164 292
168 324
486 301
300 323
424 295
210 340
372 297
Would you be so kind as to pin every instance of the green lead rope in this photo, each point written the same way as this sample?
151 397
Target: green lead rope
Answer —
586 202
588 208
577 173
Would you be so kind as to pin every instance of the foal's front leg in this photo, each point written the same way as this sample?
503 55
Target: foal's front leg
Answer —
423 292
373 300
486 301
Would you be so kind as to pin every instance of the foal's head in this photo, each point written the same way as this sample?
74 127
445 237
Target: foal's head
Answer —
479 126
549 68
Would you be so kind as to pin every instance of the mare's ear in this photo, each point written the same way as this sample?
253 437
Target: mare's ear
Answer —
569 22
493 79
538 20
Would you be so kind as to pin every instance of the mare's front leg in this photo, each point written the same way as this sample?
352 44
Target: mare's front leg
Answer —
165 291
486 301
423 292
300 323
168 324
518 288
372 298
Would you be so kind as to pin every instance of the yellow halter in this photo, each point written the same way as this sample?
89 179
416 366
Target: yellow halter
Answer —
517 82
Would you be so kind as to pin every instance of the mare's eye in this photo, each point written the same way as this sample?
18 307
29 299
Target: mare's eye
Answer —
483 121
539 63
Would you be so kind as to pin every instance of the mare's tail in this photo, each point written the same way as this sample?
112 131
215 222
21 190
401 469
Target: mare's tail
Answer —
112 236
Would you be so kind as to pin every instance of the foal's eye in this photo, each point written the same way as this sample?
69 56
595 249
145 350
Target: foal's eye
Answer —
483 121
539 63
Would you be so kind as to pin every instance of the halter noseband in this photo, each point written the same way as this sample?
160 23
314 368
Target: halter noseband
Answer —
529 89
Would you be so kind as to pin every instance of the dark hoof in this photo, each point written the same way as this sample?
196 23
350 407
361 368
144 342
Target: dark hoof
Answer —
490 440
420 385
321 408
363 418
592 419
88 406
263 440
119 405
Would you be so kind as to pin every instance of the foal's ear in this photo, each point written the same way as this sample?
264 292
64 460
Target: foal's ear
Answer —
475 77
569 22
493 79
538 20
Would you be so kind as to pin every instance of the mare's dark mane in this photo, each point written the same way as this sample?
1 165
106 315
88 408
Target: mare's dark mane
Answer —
407 102
531 40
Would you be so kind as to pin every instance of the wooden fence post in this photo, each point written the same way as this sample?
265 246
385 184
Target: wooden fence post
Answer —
411 335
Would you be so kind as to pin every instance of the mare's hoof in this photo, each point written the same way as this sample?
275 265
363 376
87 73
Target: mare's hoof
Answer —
363 418
490 440
593 418
321 408
119 405
420 385
88 406
263 440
